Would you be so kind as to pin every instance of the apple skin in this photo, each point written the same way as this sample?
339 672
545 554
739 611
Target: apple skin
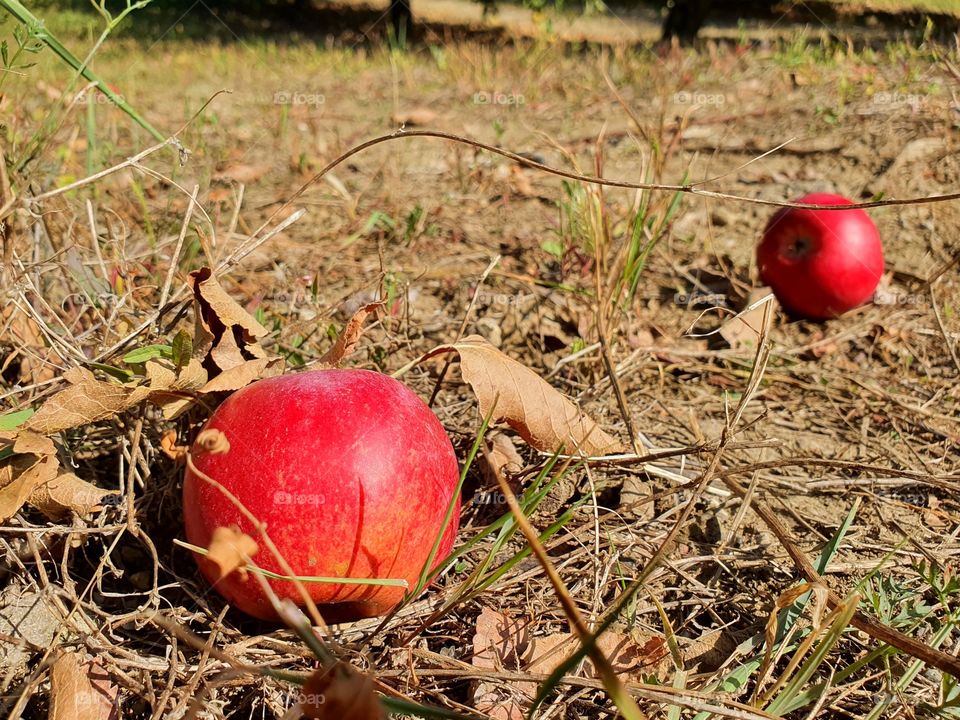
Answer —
350 471
821 263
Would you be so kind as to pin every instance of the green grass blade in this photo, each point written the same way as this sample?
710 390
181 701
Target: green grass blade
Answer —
21 13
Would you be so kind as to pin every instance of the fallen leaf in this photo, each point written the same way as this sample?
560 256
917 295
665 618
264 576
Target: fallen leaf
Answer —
544 417
230 549
242 375
631 657
340 692
499 643
743 330
31 443
66 493
20 475
348 339
86 400
174 391
169 447
81 690
414 116
500 459
28 621
220 311
226 338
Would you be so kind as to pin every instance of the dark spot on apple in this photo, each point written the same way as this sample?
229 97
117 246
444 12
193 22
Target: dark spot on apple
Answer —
797 247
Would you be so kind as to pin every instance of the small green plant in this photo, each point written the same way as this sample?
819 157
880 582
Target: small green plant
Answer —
36 35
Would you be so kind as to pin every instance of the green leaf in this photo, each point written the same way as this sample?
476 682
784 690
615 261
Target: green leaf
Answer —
114 372
181 349
147 352
554 247
12 421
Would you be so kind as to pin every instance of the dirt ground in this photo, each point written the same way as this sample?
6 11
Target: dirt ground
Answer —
858 412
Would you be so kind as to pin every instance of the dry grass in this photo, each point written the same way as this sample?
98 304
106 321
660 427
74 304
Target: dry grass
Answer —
862 410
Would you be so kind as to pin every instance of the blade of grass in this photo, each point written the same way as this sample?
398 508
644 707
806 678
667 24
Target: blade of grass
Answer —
21 13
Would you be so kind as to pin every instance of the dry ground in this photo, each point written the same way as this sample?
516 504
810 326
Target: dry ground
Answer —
863 409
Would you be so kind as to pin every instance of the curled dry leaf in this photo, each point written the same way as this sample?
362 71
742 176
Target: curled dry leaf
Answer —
172 389
81 690
20 476
67 493
226 337
230 549
348 339
213 441
340 692
169 447
526 402
500 459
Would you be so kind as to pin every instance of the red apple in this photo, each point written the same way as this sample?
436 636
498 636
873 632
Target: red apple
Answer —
350 471
821 263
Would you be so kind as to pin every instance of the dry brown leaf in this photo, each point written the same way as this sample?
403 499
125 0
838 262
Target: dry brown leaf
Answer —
169 447
500 459
743 330
526 402
20 475
500 643
226 338
242 375
172 391
219 310
86 400
81 690
66 493
348 339
632 657
230 549
340 692
31 443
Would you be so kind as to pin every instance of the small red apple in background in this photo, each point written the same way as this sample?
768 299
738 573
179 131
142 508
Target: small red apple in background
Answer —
350 471
821 263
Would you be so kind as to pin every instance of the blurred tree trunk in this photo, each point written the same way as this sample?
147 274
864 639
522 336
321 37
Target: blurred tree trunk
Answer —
685 19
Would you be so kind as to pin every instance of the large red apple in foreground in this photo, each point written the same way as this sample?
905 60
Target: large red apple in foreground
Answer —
821 263
351 473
